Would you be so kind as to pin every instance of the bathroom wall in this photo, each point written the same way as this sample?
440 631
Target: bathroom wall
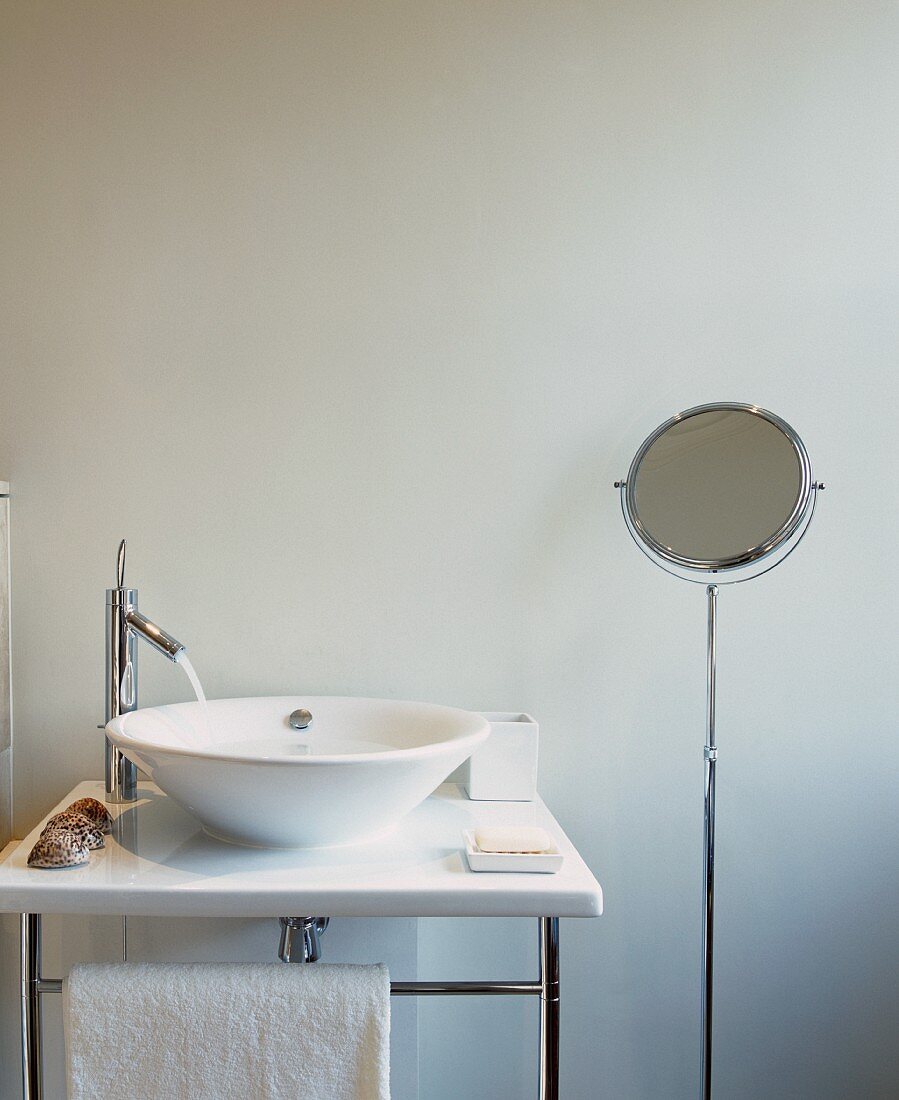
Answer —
347 316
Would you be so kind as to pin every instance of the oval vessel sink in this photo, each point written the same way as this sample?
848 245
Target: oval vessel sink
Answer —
250 778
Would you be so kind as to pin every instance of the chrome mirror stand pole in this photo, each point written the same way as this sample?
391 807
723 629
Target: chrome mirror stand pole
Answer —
708 845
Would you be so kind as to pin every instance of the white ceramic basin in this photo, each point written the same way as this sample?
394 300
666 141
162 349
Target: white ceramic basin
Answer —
251 779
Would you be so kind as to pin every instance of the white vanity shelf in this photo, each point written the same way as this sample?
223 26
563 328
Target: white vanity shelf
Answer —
159 862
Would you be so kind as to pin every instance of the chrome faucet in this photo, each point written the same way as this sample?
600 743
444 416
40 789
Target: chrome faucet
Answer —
124 624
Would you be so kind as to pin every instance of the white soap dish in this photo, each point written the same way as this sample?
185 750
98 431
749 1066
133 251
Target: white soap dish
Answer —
546 863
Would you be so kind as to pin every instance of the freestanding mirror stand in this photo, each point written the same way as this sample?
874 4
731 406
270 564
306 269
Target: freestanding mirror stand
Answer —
723 492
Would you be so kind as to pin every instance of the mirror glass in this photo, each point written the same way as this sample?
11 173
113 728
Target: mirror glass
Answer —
718 486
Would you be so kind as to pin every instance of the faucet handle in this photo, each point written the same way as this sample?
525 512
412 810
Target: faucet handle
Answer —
120 566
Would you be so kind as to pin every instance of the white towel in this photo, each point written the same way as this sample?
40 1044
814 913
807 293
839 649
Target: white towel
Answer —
222 1031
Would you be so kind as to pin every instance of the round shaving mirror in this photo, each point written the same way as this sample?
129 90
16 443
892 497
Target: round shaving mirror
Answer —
718 488
720 493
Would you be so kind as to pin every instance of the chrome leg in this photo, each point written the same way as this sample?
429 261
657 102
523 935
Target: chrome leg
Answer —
32 1064
549 1009
708 846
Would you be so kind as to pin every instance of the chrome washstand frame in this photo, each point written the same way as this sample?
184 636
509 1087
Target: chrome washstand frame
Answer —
546 988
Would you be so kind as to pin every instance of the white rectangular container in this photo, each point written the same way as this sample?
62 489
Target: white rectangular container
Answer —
504 767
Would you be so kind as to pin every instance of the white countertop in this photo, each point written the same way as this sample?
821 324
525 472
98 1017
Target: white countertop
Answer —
159 862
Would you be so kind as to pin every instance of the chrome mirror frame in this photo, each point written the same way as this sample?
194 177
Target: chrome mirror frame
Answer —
755 560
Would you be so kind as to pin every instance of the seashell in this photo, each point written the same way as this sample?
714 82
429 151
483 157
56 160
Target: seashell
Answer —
59 850
95 810
77 824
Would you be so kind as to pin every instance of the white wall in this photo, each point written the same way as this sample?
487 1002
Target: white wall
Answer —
347 316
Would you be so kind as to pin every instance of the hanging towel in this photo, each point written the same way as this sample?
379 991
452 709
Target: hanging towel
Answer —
223 1031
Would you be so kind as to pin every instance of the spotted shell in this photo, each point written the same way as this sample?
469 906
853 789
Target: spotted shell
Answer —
59 850
95 810
77 824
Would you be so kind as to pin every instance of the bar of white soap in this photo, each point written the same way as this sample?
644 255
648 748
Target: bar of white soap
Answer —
513 838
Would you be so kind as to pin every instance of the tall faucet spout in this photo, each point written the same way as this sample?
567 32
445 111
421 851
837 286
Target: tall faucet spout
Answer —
157 637
124 625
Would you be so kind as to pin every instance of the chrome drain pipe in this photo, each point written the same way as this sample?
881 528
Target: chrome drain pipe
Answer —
311 928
